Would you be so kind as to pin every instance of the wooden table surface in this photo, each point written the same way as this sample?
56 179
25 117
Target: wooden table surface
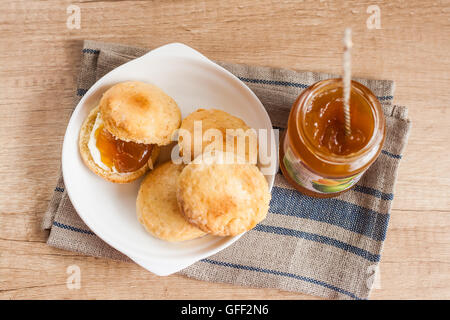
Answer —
39 60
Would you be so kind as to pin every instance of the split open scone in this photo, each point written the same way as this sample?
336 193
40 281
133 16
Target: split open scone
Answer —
120 139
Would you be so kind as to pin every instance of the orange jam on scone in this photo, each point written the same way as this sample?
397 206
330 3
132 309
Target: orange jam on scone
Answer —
123 156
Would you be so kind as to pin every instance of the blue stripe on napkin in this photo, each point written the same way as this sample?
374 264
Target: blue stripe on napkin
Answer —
283 274
294 84
71 228
318 238
337 212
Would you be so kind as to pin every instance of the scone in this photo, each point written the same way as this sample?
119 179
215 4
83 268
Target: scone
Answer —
140 112
157 207
219 121
223 199
105 166
120 139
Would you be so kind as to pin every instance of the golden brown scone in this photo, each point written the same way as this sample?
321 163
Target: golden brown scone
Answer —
115 177
223 199
157 207
140 112
220 120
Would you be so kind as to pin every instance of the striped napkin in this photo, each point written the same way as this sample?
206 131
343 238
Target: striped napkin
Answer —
323 247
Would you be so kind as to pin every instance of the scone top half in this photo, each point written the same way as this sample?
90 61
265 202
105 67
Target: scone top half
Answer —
120 138
140 112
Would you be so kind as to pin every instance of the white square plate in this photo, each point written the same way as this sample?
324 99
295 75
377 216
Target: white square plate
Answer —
109 209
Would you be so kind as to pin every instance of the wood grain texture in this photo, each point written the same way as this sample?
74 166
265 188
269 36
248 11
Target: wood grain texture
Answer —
39 62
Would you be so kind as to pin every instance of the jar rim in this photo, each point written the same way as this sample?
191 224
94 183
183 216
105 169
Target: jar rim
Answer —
368 151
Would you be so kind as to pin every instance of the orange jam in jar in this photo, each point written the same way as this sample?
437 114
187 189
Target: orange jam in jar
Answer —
123 156
316 155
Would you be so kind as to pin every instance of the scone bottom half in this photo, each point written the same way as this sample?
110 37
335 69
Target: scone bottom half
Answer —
102 152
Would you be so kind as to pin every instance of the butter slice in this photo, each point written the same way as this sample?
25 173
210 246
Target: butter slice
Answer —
92 145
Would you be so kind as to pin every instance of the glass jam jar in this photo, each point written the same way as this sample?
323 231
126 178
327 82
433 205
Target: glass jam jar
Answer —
316 155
